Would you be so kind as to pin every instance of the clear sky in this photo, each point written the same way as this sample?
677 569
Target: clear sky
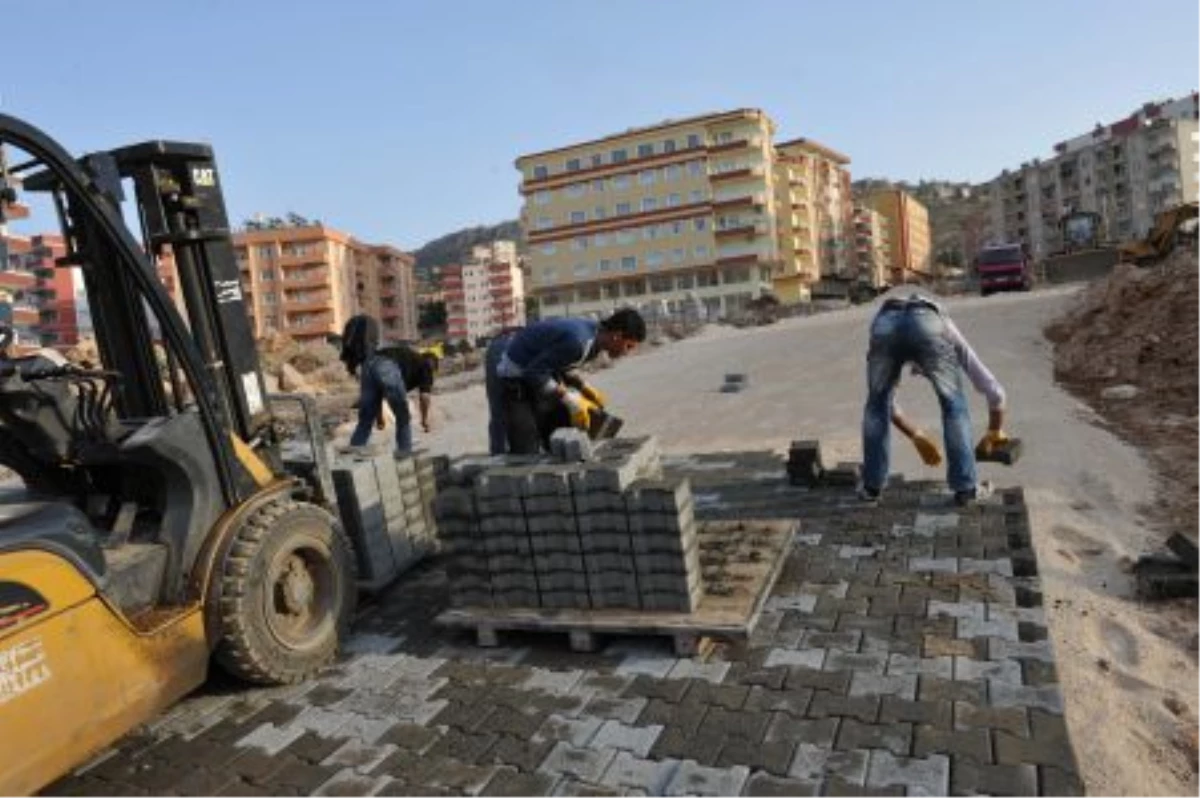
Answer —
400 121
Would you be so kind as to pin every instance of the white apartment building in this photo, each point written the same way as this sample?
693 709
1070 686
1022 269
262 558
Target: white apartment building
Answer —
1127 172
486 294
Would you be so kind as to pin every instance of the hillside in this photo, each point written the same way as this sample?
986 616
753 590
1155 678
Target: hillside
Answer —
456 247
956 214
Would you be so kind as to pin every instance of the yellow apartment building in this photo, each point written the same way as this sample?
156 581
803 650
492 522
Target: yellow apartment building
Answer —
872 246
813 216
908 233
678 209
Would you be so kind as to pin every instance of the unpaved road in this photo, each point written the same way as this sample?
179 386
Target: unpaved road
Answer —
1123 664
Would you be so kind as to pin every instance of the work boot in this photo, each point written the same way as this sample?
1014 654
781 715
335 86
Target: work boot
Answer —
867 495
967 498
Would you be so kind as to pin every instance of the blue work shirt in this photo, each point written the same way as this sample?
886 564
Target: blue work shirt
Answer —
540 352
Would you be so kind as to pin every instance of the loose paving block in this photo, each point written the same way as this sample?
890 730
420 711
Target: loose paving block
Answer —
804 465
815 763
973 778
853 735
630 772
582 763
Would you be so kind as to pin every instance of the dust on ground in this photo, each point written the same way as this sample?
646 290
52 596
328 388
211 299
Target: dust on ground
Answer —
1128 347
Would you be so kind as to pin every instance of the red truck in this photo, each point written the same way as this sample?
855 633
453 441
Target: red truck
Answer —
1004 267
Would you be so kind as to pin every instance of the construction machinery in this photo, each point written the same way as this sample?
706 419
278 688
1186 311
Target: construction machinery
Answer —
1170 226
1085 254
158 525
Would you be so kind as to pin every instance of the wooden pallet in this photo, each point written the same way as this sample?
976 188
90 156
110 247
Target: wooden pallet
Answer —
741 560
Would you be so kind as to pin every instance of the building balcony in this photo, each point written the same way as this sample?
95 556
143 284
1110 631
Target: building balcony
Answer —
308 303
313 279
746 200
741 230
737 144
308 325
313 255
748 173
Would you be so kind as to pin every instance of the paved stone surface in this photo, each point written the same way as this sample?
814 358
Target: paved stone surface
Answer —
892 658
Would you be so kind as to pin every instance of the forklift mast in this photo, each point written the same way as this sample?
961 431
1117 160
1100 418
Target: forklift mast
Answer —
182 210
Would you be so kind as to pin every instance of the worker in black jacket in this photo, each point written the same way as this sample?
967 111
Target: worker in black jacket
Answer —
386 373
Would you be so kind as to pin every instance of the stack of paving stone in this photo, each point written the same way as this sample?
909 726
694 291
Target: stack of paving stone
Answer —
804 466
385 506
608 533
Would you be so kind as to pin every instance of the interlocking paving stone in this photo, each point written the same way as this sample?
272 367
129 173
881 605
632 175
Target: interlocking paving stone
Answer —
895 632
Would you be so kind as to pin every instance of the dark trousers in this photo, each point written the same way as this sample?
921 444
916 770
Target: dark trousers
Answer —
529 417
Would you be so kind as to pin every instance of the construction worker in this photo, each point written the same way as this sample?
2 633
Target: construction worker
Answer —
911 328
387 373
531 380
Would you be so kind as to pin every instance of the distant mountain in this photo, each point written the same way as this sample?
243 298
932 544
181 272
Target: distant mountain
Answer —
456 247
956 214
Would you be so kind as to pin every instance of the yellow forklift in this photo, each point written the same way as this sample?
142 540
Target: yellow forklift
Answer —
157 524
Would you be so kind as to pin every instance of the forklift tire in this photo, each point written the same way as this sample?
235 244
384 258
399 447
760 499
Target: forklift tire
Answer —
287 594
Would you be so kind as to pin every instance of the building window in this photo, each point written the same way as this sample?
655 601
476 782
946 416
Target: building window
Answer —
693 141
695 168
669 145
649 203
573 165
700 223
267 275
635 288
660 285
581 269
599 212
544 222
629 263
724 137
542 197
645 150
650 232
597 159
578 217
677 256
600 240
695 197
706 279
604 266
271 298
612 291
672 172
654 260
646 177
540 172
579 244
700 252
266 251
624 208
684 282
618 156
673 199
576 190
626 236
549 249
620 182
598 184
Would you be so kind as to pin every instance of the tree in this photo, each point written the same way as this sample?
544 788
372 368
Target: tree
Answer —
432 315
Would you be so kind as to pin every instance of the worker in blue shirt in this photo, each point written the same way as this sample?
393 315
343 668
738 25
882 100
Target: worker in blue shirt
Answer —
531 380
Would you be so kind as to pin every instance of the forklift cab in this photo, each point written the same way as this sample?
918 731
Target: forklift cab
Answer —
155 523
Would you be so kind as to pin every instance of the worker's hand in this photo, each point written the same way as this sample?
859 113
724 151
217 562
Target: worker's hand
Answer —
593 395
931 455
580 409
992 440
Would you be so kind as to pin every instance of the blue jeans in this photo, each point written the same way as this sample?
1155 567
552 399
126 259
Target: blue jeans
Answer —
914 335
380 379
497 437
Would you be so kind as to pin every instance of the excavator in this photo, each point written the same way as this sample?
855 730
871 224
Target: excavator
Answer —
158 525
1163 237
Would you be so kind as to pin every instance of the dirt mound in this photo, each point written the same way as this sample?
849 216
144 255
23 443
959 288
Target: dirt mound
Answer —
317 363
1139 327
